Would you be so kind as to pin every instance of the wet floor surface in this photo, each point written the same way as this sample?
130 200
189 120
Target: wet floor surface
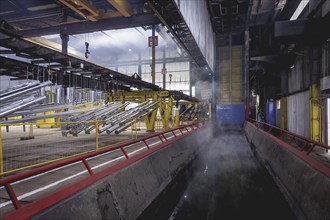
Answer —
224 182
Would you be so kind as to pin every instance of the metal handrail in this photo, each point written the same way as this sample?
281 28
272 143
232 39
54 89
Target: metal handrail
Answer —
6 182
293 135
303 151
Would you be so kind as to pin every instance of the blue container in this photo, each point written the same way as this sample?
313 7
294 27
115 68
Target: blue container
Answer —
271 112
230 114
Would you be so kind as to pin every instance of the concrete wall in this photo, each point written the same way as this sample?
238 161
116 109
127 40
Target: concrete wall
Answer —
306 189
126 193
197 17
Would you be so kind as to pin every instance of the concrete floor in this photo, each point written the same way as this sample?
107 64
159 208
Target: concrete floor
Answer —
37 187
49 144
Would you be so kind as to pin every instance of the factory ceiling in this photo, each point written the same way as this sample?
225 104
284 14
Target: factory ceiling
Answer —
43 17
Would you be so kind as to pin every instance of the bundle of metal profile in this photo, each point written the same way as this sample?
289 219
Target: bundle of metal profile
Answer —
123 120
20 97
41 108
190 113
86 122
117 118
185 112
22 91
17 88
20 104
37 117
115 110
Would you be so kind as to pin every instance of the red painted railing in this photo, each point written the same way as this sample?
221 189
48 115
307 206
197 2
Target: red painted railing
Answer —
6 182
299 145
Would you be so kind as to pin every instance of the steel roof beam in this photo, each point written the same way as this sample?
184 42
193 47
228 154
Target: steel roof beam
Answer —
88 26
18 44
82 8
122 6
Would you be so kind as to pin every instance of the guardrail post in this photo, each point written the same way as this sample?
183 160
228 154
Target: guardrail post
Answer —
1 152
177 118
13 196
96 135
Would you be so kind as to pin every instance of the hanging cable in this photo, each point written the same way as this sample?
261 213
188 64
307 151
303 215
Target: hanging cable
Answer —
87 45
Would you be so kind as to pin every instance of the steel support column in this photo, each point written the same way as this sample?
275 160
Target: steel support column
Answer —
151 119
315 113
153 54
284 114
164 67
246 74
65 40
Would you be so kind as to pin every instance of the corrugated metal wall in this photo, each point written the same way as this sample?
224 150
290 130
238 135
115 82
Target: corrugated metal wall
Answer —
197 17
298 113
230 74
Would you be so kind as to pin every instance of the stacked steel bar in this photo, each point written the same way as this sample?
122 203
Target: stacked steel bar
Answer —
190 113
119 122
20 97
86 121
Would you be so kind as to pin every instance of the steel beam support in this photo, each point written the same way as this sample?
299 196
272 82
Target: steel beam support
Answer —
89 26
122 6
65 40
150 119
315 113
246 73
164 67
284 113
16 43
153 54
314 29
170 16
167 110
177 118
83 8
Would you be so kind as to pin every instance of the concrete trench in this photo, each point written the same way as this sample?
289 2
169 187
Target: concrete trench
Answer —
235 179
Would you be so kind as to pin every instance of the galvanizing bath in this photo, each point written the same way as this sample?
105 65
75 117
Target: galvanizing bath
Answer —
225 182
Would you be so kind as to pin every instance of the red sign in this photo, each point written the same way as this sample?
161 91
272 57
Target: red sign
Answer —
164 71
153 41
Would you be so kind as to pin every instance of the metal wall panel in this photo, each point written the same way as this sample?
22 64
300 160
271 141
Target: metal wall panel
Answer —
295 77
230 74
298 113
197 17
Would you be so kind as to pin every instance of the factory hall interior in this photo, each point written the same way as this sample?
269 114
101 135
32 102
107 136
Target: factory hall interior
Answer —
165 109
